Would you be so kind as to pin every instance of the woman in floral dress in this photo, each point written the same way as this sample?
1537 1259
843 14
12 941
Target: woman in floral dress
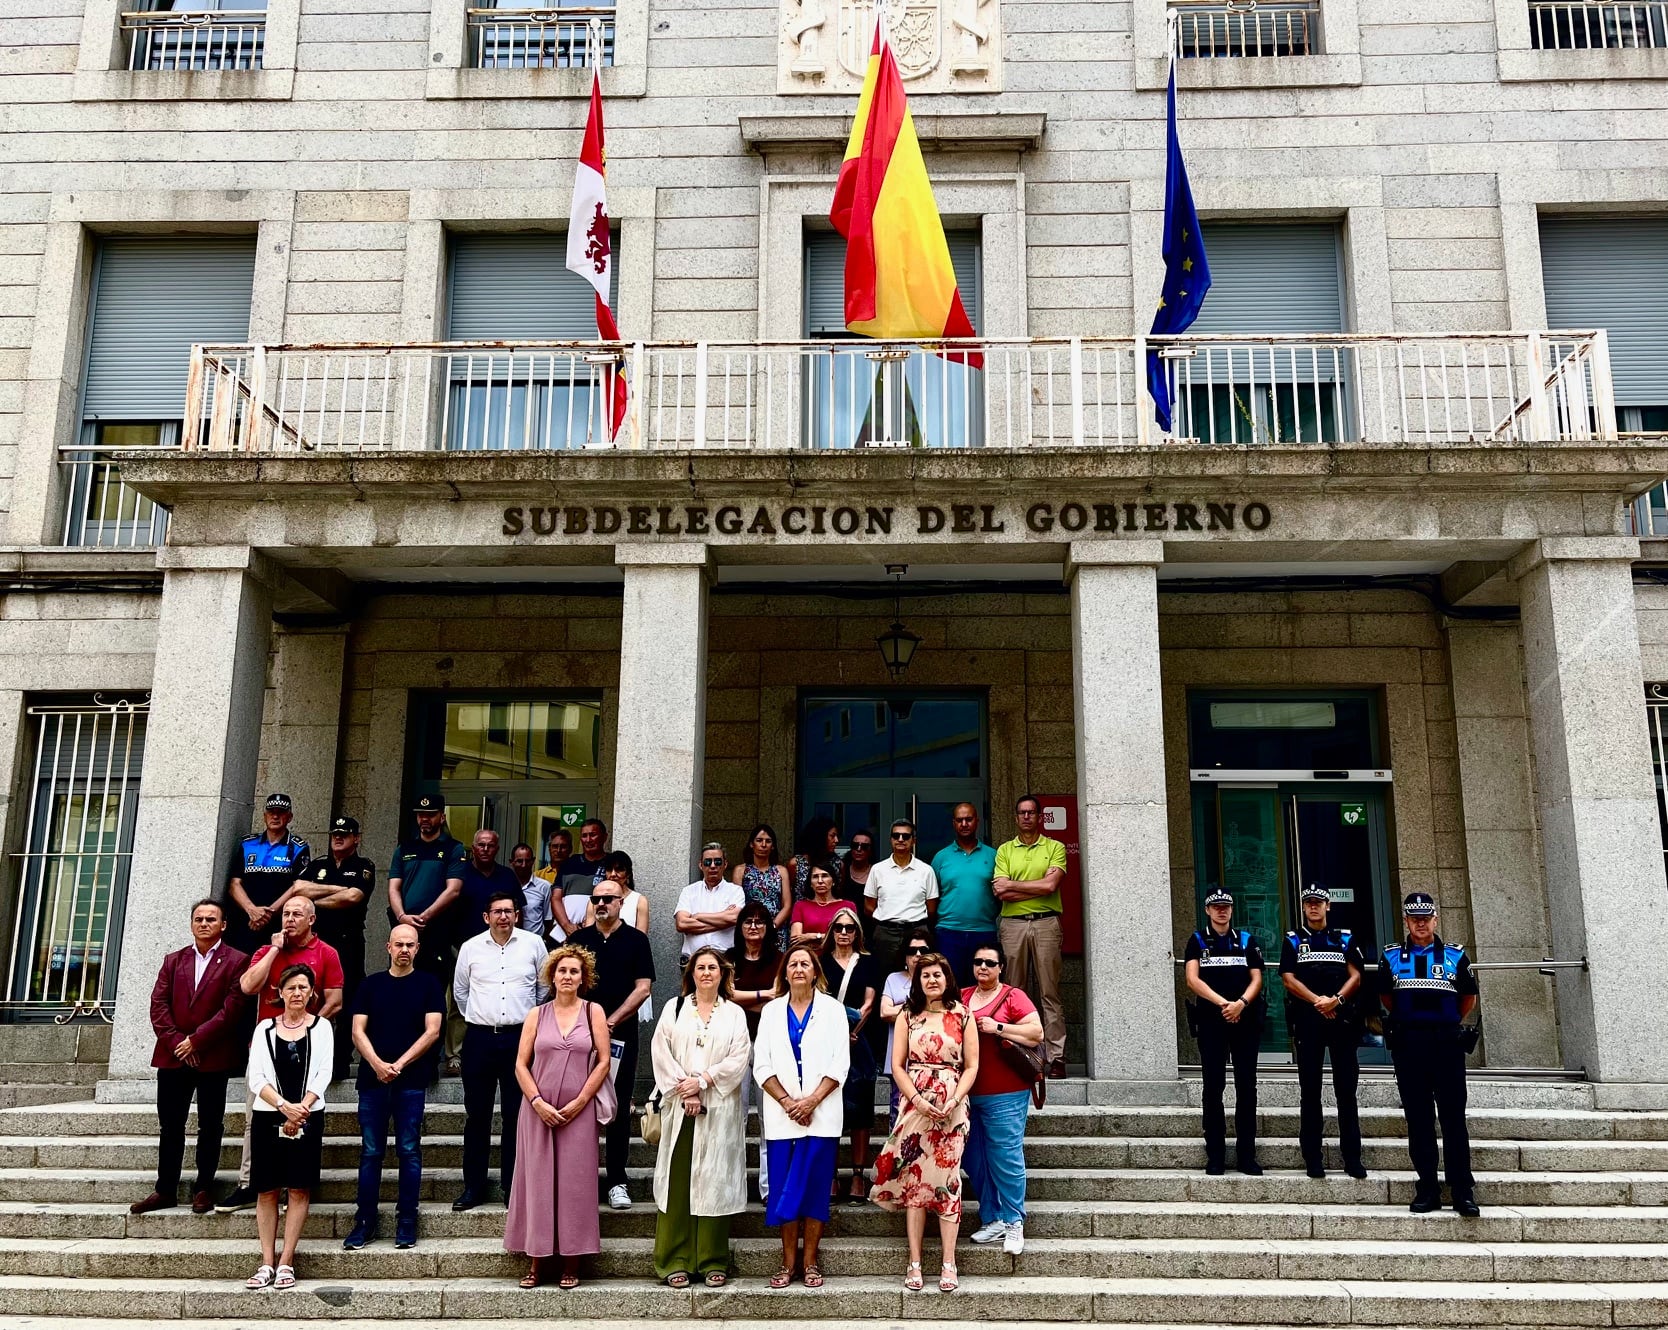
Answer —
760 875
935 1056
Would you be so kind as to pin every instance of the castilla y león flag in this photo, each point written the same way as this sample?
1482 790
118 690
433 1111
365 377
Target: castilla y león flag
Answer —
590 251
899 282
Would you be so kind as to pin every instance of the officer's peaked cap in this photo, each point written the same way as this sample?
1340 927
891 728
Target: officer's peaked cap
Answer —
1419 905
1218 897
1315 892
279 803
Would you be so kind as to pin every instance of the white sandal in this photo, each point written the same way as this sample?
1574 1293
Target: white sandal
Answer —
262 1278
286 1277
947 1281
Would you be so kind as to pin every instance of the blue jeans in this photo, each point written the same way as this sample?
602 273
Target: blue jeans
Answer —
377 1106
958 948
995 1156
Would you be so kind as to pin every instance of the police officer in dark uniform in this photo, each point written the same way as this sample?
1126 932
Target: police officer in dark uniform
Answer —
1225 971
1427 989
1321 968
265 869
339 884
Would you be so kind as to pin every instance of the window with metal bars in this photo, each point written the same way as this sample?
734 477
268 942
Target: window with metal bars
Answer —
567 34
1245 29
189 35
1559 25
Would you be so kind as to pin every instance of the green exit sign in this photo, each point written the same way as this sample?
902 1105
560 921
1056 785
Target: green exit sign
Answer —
1353 815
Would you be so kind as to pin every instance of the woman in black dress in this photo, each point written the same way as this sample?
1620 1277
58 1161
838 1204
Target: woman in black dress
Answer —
289 1070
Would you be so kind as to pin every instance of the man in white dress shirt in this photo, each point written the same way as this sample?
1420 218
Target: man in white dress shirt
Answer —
707 908
495 985
901 895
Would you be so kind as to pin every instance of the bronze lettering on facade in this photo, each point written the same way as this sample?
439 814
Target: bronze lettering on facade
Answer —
763 522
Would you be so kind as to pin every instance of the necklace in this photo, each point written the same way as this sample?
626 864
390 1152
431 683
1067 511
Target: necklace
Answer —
288 1025
703 1025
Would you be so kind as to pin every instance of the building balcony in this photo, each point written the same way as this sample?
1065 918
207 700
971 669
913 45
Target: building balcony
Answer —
191 40
1243 29
1086 392
568 37
1596 25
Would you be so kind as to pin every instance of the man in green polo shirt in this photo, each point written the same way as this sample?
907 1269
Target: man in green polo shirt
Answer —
1029 871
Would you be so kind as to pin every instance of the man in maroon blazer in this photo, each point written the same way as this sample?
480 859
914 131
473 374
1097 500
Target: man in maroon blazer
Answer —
195 1010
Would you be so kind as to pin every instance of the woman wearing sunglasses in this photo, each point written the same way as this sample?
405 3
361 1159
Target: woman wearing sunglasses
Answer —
859 861
894 996
852 978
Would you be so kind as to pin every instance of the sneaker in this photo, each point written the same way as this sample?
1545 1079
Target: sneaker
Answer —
991 1232
363 1231
405 1232
240 1198
619 1198
1013 1242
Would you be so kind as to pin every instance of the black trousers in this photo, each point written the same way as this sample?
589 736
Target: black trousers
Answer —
1430 1077
887 940
488 1072
175 1089
617 1134
1312 1040
1218 1043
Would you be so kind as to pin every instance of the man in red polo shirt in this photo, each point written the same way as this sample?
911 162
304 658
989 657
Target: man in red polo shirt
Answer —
295 944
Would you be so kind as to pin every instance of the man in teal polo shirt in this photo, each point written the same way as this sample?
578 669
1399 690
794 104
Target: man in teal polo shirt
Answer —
966 904
425 881
1029 871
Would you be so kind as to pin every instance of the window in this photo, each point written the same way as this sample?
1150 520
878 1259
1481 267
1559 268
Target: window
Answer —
1267 278
1580 25
1228 28
865 397
152 300
517 288
195 34
570 34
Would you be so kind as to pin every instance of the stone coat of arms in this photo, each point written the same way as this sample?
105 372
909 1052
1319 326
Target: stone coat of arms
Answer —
940 45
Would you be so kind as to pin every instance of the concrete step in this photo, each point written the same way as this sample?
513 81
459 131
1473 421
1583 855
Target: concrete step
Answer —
33 1096
1511 1124
1613 1225
1042 1153
984 1298
1080 1185
85 1074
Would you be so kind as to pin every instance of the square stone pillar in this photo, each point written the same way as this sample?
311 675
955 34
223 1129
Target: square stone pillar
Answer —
302 732
1123 830
660 741
1502 853
196 793
1597 798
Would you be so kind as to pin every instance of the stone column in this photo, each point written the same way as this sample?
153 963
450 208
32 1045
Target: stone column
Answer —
196 793
1508 900
301 734
1124 836
660 741
1597 798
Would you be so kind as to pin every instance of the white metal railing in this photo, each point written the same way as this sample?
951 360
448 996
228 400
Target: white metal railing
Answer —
71 875
1580 25
1243 29
195 39
990 392
570 37
101 509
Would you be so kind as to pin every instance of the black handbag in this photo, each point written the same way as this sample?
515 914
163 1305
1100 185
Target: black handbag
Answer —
1029 1064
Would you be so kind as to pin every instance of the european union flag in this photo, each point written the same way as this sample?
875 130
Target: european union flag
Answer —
1186 274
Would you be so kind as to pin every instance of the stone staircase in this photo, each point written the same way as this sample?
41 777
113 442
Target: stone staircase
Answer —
1124 1227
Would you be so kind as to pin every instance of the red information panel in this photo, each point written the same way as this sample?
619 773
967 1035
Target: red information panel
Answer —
1060 822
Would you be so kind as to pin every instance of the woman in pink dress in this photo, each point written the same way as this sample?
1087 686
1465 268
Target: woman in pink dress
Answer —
561 1067
935 1058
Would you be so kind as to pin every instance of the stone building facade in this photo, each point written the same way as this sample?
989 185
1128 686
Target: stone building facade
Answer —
1480 596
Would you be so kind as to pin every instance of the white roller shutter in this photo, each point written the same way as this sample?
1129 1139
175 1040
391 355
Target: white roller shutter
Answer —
1612 273
508 288
825 279
152 299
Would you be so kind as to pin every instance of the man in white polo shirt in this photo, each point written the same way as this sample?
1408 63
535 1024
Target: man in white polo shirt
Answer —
901 894
707 908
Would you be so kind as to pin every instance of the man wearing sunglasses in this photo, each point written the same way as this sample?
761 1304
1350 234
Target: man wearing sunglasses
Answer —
707 907
901 895
625 976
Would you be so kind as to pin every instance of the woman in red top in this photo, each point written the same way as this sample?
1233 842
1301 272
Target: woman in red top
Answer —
812 916
1000 1102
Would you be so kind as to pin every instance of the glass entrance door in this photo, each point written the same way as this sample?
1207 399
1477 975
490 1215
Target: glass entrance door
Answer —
1265 842
869 757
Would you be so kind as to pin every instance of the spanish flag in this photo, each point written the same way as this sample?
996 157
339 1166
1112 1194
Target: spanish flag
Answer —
899 282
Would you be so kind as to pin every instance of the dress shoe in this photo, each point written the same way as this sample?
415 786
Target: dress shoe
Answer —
1356 1170
155 1201
1424 1203
467 1201
1464 1205
405 1232
1315 1170
1250 1167
202 1202
1057 1070
363 1231
1216 1170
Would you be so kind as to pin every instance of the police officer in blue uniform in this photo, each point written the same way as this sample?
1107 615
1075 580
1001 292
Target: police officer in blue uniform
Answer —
265 869
1321 969
1427 989
1225 972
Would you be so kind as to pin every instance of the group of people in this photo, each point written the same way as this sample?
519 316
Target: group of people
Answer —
803 983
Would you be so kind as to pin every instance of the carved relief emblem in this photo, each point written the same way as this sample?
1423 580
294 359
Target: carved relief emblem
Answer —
940 45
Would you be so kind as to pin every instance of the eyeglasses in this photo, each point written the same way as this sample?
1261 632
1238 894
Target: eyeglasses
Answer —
845 928
902 835
915 951
752 923
984 963
712 863
862 845
604 899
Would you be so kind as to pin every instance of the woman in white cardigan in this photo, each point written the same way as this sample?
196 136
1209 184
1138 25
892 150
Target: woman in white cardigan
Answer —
800 1060
700 1052
289 1071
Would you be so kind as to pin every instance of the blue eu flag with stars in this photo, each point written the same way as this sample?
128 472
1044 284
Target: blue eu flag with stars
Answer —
1186 274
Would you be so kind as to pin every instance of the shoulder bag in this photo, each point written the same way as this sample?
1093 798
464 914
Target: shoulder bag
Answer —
1029 1064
